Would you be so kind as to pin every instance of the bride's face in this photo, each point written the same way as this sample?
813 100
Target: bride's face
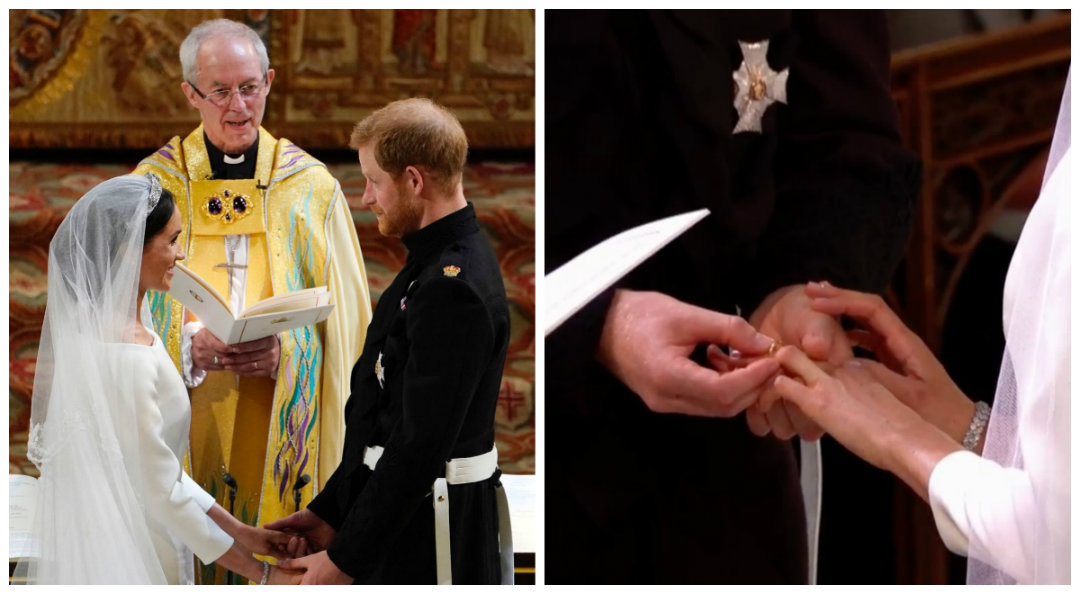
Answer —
160 255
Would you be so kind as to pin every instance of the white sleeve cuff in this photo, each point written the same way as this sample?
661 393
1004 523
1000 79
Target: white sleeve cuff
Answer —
185 520
204 500
948 483
193 376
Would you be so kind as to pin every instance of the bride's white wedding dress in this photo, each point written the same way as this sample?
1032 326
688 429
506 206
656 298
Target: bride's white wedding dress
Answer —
1009 510
109 420
175 505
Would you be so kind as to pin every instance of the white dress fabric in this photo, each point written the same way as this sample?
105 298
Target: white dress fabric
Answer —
1009 511
176 505
109 418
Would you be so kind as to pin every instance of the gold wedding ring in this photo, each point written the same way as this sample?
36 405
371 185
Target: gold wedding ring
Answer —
775 346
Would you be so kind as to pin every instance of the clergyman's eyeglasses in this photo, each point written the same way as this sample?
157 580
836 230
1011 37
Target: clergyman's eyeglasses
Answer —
222 97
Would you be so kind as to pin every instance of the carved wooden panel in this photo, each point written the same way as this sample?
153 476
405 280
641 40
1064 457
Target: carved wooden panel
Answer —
110 78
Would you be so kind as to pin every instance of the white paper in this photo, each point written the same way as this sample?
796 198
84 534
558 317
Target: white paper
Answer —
521 495
282 312
22 502
572 285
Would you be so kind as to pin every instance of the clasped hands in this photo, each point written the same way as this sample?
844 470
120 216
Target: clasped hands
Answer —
811 385
299 543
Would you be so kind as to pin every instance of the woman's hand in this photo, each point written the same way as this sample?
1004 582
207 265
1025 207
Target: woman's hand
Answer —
264 542
908 369
864 417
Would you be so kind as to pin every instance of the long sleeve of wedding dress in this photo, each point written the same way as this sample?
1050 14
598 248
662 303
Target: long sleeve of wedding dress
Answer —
1010 509
172 498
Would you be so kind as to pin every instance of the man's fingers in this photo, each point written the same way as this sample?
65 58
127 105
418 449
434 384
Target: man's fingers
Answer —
292 564
796 362
805 427
780 422
262 344
756 421
717 328
703 384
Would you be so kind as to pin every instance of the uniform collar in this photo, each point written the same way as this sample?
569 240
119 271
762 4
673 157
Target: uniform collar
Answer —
435 236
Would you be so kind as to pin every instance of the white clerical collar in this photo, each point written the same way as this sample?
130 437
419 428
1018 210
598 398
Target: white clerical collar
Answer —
233 160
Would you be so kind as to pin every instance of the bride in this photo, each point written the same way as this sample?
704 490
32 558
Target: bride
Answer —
1003 498
110 414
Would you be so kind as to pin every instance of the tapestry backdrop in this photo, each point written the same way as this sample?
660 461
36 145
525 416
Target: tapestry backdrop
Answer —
110 78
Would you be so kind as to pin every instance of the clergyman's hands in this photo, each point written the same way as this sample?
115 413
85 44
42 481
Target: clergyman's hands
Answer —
255 358
207 352
309 532
647 341
318 569
786 315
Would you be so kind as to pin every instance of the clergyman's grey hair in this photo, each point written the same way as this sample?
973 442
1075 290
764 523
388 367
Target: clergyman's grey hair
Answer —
189 50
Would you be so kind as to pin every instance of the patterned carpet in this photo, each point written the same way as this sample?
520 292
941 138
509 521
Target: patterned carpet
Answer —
504 196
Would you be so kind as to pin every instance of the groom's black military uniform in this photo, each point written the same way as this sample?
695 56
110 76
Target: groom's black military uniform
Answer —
639 125
424 390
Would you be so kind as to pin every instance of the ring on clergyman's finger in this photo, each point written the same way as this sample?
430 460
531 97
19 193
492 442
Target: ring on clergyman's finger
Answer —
215 359
256 365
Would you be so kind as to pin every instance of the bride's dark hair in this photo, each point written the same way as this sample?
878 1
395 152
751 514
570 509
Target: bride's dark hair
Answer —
159 217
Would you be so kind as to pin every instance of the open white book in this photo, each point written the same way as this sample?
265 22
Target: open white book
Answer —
568 288
269 316
22 503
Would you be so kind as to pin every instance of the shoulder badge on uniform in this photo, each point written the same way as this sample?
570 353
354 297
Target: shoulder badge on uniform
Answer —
451 270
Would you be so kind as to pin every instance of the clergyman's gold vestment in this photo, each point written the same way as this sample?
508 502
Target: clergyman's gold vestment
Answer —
268 433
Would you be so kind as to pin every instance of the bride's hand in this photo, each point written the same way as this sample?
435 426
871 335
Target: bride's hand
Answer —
264 542
908 369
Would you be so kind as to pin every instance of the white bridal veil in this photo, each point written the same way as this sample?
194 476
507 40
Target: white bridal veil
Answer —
1029 428
90 524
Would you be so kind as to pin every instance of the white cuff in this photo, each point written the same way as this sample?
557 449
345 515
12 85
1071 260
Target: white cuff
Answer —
203 499
949 482
193 376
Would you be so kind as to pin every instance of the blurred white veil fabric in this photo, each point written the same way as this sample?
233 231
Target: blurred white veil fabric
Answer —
1029 427
90 524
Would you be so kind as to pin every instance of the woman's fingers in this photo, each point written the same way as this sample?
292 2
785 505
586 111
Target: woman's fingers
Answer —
797 363
870 310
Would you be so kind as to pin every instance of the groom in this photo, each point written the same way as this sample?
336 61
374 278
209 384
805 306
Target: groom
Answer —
418 478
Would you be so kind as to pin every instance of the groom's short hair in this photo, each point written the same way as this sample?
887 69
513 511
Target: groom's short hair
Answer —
415 132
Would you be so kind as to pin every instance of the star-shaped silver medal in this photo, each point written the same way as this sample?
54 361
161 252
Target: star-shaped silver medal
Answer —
758 86
380 371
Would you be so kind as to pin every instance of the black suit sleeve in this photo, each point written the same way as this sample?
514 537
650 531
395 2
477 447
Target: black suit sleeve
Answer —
845 186
326 504
451 340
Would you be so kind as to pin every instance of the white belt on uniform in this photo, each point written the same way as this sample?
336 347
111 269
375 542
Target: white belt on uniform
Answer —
460 471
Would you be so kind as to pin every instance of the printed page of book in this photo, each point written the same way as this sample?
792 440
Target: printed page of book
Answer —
568 288
256 327
202 300
296 300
